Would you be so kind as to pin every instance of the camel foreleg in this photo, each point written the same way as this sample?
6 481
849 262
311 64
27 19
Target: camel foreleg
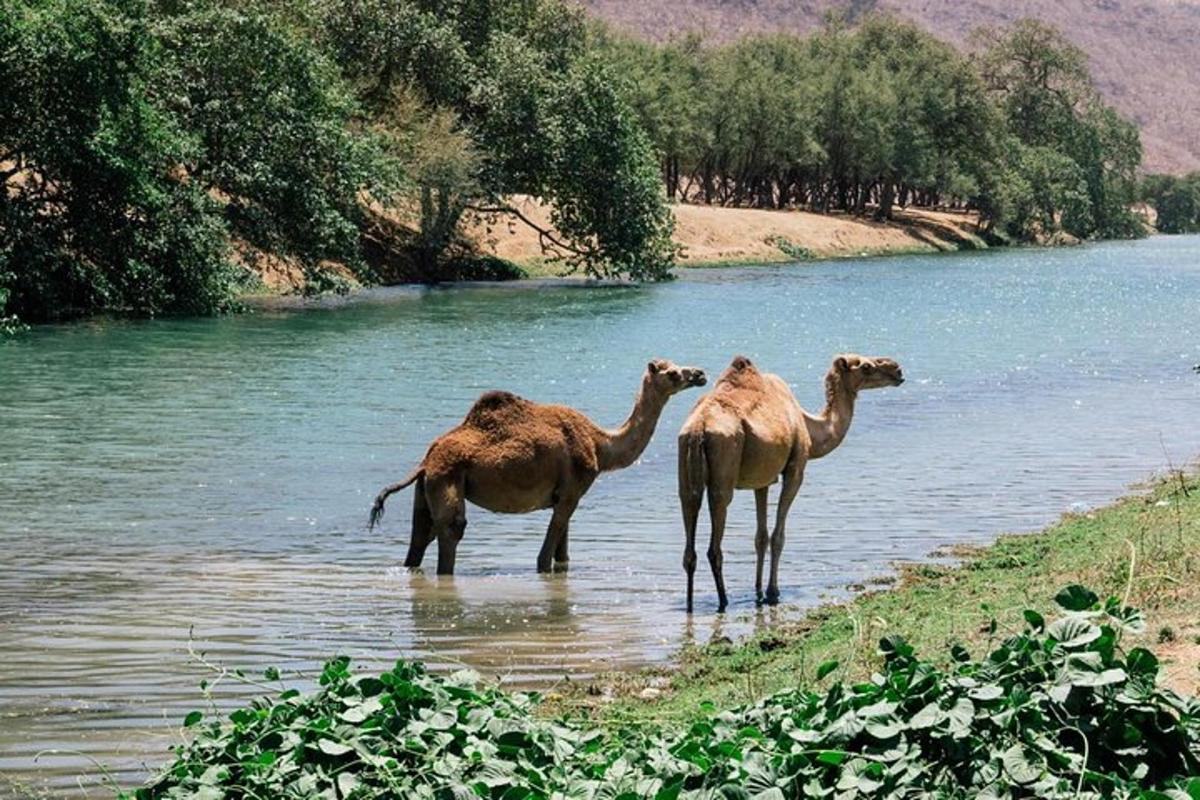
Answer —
793 476
556 533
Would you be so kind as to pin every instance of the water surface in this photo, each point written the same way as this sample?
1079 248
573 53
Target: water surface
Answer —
210 478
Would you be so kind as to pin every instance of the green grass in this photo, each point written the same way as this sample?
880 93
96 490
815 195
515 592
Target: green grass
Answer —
1156 534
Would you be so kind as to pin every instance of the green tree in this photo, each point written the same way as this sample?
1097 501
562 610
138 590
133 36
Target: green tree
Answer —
93 213
1043 88
1176 201
271 119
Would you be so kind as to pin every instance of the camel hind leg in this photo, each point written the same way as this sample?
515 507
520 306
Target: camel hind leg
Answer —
448 509
722 478
422 526
692 481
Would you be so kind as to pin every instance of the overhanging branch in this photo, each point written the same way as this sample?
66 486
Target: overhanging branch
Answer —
546 238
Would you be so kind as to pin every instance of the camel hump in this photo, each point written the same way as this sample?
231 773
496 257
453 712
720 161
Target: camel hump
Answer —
740 372
740 363
491 404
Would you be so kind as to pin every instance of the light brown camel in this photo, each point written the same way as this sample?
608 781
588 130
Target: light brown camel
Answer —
746 433
512 456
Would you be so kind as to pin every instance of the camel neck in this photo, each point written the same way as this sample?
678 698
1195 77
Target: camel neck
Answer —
826 432
621 447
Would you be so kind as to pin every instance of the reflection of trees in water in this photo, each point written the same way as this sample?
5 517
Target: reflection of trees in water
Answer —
494 624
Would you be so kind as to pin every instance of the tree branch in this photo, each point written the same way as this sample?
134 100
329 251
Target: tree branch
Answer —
545 235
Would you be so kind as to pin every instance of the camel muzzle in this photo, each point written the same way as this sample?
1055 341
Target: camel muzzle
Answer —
699 379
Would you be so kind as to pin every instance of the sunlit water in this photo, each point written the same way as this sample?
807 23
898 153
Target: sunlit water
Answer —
214 476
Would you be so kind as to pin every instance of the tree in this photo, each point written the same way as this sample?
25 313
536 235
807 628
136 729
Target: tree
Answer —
1041 84
93 213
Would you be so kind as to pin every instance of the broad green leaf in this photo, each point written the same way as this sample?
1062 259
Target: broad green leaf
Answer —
1076 598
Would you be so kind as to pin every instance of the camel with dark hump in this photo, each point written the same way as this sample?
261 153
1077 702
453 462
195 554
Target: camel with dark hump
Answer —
748 432
512 456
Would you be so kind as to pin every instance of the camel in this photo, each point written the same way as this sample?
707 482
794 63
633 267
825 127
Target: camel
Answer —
748 432
512 456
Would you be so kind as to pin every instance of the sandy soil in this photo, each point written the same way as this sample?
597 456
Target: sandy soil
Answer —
713 235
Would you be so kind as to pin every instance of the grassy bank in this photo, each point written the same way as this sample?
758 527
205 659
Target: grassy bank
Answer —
1146 545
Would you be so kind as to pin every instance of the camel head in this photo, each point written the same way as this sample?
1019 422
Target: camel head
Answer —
866 372
668 378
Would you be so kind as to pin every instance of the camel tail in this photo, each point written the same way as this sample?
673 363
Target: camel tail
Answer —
693 465
377 507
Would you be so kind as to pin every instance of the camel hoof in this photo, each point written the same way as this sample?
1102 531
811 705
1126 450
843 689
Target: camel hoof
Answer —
772 598
562 566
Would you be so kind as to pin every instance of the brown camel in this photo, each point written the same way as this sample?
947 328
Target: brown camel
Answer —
513 456
746 433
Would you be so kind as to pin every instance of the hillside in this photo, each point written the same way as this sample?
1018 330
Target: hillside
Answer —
1143 52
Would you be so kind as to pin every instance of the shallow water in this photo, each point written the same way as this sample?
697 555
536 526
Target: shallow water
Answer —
214 476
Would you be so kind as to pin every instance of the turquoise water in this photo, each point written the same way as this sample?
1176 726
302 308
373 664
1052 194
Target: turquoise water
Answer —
214 476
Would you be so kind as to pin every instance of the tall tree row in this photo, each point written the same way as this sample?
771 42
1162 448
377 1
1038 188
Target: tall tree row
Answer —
882 115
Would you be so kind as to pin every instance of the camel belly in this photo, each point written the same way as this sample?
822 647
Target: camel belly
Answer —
761 464
510 492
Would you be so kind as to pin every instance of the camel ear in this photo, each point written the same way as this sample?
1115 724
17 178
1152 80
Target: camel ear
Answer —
654 367
840 364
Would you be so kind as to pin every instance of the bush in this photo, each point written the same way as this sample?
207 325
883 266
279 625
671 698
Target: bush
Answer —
1058 710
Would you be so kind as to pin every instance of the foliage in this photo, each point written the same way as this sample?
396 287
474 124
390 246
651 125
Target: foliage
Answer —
1081 169
883 115
138 136
1059 709
91 212
526 109
270 117
1176 201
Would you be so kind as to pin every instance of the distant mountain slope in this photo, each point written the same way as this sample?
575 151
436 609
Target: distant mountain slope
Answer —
1145 54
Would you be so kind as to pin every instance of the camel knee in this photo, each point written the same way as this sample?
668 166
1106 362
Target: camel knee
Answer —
689 561
760 540
719 498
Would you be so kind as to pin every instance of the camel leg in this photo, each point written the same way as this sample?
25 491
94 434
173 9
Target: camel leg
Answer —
760 540
560 552
718 504
793 476
723 459
449 511
691 502
422 526
559 521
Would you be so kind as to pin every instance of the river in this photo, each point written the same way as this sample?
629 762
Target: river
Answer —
210 479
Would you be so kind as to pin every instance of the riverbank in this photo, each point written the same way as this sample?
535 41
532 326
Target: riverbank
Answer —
708 236
716 235
1144 548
